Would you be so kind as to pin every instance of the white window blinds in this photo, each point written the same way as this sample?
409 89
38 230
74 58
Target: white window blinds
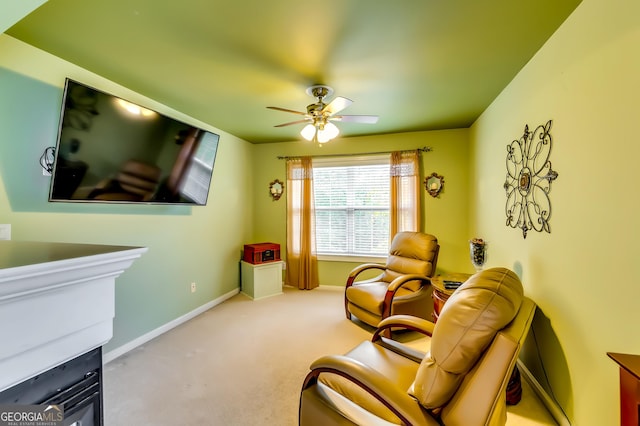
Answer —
352 206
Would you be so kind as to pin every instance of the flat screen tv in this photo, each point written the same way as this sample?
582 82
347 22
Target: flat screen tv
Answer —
109 150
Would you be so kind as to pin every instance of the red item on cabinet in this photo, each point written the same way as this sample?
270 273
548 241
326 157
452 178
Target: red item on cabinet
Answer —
261 253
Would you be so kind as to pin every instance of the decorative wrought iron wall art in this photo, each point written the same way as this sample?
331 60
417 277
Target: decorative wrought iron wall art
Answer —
528 182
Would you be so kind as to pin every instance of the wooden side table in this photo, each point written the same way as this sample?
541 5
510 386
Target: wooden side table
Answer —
629 387
441 293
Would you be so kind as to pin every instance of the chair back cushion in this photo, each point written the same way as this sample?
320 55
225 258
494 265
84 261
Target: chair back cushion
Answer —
467 324
411 253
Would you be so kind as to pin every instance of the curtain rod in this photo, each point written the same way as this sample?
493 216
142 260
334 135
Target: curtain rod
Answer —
423 149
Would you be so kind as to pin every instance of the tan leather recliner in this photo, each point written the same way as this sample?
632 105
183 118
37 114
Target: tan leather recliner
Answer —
402 288
460 381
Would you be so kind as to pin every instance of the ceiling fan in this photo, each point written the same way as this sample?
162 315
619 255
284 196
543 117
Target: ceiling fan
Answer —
319 115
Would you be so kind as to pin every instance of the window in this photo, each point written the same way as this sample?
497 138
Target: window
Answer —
352 206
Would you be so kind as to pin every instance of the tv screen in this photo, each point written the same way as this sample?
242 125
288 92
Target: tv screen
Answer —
113 151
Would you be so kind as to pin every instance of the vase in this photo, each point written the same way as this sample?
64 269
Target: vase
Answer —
478 253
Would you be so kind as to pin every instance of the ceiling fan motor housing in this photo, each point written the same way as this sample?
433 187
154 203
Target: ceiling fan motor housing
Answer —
316 109
319 91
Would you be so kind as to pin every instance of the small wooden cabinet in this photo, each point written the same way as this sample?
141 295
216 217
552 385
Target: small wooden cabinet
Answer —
261 280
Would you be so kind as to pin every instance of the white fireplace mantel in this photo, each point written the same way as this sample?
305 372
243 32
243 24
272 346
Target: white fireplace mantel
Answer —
57 301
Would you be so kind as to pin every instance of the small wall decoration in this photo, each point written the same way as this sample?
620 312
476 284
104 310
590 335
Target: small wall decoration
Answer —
528 182
276 188
434 183
478 253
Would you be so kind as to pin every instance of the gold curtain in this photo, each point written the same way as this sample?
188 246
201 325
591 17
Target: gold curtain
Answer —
302 260
405 192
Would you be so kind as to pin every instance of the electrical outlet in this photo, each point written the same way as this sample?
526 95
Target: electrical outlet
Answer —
193 287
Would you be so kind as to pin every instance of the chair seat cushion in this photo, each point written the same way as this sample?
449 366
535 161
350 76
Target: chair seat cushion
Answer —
469 321
398 369
370 296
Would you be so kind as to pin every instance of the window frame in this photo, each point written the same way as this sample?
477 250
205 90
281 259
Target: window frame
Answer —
347 161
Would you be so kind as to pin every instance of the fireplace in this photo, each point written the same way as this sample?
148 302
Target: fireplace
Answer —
75 387
57 303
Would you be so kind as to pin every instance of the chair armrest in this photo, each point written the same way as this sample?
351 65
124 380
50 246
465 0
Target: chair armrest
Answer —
383 336
403 279
381 388
395 286
406 322
361 268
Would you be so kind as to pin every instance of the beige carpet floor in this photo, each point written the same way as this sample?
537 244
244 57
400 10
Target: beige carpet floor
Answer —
242 363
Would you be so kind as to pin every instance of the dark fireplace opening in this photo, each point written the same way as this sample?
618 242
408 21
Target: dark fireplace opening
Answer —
75 386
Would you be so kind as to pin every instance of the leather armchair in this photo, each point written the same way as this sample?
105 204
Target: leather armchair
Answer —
461 379
403 287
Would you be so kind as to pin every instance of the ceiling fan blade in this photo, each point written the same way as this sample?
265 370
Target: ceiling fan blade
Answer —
367 119
336 105
291 123
287 110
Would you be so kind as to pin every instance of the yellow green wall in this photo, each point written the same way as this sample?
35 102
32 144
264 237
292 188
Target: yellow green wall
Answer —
445 217
186 244
583 274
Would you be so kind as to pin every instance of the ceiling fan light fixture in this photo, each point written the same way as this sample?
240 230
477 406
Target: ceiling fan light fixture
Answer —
308 132
319 115
330 131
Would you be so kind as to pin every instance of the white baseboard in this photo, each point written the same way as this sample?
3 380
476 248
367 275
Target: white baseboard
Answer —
332 287
321 286
551 405
121 350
